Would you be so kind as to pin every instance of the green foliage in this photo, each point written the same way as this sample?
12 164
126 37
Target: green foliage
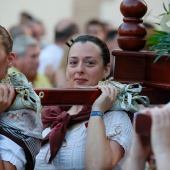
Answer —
161 44
165 8
160 41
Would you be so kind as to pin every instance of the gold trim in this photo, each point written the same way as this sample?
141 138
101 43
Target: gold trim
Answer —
41 94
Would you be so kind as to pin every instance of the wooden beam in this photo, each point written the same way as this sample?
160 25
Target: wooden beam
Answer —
81 96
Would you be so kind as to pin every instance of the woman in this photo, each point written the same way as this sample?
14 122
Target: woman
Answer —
83 137
20 129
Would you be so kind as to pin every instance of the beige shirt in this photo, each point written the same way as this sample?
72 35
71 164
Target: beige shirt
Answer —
40 81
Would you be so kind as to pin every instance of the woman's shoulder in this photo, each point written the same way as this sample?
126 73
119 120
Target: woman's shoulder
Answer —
116 115
113 119
119 128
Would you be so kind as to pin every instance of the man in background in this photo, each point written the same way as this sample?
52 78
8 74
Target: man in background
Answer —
51 56
96 28
111 42
27 52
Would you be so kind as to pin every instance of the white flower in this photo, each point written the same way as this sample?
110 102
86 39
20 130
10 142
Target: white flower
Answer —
168 23
165 23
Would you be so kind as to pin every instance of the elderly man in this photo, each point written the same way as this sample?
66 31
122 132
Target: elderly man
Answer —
27 51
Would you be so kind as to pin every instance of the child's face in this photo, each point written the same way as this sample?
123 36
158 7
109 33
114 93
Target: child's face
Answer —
3 62
6 61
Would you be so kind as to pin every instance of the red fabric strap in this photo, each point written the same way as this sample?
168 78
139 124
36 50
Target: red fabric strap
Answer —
58 120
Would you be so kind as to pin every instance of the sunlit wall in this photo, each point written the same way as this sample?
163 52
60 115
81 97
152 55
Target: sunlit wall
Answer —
50 11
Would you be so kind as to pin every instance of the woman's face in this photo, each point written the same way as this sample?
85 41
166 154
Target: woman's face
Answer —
85 65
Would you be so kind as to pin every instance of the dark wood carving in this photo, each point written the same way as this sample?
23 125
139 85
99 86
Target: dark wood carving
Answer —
132 32
134 66
140 67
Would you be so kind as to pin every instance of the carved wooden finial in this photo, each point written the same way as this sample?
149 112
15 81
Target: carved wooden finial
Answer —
132 32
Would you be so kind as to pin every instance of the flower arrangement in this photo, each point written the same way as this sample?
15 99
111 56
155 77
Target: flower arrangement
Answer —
160 41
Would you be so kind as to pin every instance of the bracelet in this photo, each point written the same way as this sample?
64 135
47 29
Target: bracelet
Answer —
97 113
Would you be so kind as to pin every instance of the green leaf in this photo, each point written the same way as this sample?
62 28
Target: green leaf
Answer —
152 42
159 56
160 53
161 14
158 24
161 32
164 39
164 43
155 39
160 46
160 40
165 7
168 57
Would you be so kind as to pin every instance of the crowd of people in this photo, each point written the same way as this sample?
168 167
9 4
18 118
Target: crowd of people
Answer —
69 137
48 61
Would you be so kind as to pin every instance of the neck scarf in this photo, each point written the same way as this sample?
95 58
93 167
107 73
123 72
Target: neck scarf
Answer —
58 120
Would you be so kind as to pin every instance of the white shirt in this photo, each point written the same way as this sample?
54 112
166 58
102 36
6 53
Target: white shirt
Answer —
12 152
71 154
50 55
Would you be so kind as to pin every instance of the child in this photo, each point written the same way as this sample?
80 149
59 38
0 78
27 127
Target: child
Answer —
20 124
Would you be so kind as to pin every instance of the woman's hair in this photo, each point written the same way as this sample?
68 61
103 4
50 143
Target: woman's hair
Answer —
6 40
105 54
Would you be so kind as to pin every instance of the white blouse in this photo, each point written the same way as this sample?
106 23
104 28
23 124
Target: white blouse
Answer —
12 152
71 154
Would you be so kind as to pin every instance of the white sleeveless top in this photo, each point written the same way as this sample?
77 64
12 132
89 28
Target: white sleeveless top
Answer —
71 154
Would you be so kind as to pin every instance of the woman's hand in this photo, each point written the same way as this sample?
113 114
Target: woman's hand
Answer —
7 94
106 99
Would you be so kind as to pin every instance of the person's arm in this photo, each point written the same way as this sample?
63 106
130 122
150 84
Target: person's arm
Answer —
7 94
140 149
101 153
1 164
139 152
160 136
160 141
6 165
